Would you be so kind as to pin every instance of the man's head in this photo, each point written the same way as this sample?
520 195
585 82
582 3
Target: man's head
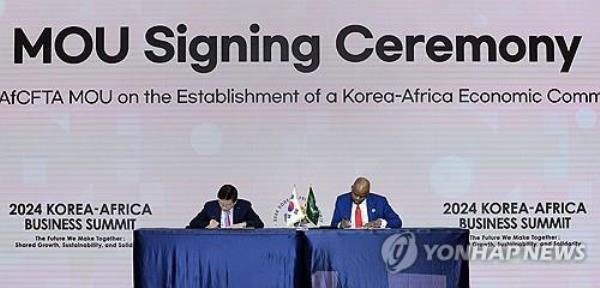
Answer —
227 196
360 189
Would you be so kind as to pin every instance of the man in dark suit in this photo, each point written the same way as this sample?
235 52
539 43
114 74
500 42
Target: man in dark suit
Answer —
226 212
361 209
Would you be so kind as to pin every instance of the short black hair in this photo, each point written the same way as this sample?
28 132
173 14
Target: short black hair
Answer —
227 192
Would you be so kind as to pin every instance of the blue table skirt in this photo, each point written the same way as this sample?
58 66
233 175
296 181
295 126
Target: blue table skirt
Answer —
289 258
216 258
353 258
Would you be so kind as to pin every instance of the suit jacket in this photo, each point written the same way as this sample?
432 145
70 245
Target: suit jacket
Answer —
377 206
242 212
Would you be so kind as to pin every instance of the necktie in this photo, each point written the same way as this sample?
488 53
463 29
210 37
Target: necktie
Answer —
358 222
227 222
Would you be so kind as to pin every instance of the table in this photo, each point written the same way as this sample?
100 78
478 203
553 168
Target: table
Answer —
387 258
289 258
216 258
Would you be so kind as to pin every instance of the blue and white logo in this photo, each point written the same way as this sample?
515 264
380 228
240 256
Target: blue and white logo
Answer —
399 251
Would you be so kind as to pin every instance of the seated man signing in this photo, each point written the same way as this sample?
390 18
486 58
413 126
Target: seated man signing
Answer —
361 209
226 212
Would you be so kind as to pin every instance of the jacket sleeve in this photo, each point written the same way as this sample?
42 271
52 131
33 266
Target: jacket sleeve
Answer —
393 220
200 221
337 217
252 219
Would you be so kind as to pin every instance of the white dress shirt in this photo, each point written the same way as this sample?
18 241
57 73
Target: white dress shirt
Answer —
223 217
364 212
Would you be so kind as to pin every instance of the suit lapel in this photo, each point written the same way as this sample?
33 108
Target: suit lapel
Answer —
236 214
349 207
371 210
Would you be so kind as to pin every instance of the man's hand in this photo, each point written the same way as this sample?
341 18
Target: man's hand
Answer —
238 225
345 224
376 224
213 224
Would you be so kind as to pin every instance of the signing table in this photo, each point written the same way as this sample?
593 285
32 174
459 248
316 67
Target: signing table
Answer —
415 258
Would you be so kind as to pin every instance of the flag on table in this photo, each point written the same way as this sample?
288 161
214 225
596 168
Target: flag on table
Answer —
312 211
294 211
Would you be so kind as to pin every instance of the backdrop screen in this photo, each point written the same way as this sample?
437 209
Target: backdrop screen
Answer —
119 115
